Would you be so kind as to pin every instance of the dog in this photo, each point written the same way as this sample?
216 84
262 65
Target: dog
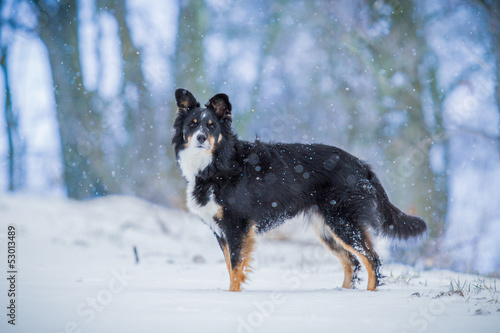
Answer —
240 189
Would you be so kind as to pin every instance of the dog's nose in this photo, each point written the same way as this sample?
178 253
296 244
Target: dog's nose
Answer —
201 138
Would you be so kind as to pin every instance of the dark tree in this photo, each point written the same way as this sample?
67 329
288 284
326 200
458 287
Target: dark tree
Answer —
80 123
16 147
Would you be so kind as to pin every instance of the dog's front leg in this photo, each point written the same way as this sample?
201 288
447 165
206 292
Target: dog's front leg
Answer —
237 246
225 250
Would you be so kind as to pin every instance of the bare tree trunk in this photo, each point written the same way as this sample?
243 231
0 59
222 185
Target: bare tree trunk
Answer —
16 147
80 123
441 139
140 155
493 8
15 171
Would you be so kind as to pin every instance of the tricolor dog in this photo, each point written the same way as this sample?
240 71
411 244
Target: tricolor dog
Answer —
240 189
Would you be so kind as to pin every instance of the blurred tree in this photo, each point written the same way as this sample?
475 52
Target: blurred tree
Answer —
86 172
10 121
16 147
272 13
189 65
397 64
493 8
139 156
188 68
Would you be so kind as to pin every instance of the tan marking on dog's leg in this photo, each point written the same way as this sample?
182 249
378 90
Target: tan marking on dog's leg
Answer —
372 257
346 264
348 271
344 260
321 230
227 257
372 279
239 273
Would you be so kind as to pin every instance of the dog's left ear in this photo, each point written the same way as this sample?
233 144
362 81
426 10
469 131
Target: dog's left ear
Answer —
221 105
185 100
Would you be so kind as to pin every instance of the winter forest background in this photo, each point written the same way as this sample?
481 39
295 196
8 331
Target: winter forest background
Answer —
409 86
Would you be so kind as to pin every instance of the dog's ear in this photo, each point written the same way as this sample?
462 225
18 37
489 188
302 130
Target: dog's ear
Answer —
185 100
220 104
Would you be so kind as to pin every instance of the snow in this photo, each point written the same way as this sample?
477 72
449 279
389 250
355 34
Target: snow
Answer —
77 273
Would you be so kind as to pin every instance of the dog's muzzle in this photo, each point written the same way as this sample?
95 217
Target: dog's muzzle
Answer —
200 140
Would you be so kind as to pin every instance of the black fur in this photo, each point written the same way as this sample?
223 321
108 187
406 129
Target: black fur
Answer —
261 185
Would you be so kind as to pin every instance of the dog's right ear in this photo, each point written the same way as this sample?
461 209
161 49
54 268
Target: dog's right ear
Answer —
185 100
221 105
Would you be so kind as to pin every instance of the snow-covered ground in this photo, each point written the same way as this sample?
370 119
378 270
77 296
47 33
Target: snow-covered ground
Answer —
77 273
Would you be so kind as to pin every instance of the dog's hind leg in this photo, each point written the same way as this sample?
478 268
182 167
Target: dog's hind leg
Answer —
349 262
372 257
358 242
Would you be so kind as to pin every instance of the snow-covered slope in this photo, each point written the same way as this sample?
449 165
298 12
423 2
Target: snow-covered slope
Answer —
77 272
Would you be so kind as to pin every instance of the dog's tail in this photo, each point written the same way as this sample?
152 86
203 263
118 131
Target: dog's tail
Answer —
396 224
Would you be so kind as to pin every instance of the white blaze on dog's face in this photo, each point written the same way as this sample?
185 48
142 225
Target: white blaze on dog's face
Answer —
201 132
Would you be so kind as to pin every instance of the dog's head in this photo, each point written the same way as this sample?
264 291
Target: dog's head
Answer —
199 127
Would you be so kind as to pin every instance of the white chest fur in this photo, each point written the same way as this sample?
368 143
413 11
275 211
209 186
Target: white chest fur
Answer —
207 212
191 161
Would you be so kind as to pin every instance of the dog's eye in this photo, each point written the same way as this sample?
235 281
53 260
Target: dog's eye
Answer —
193 124
211 125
